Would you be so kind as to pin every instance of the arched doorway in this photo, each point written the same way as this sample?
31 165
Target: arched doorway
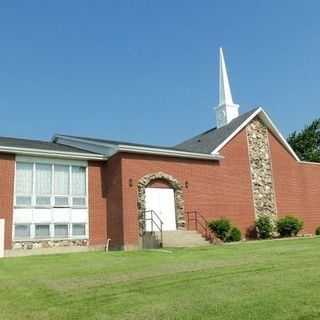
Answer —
174 188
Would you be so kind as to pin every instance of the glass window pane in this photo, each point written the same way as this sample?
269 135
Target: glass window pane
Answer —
42 230
22 231
61 180
43 201
23 200
78 229
78 181
24 178
61 230
79 201
61 201
43 178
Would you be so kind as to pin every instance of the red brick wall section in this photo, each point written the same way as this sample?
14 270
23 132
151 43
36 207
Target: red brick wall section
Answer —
115 207
97 203
7 164
215 189
297 186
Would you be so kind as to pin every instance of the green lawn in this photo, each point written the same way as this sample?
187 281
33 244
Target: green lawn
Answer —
260 280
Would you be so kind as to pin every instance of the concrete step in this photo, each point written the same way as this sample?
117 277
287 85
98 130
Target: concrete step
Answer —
183 238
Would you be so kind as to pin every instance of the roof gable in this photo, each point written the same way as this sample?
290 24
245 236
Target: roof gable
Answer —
212 141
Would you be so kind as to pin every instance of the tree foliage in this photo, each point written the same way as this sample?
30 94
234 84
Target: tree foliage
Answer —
306 143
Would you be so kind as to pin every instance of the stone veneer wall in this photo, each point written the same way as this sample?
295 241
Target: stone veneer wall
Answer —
27 245
174 184
261 170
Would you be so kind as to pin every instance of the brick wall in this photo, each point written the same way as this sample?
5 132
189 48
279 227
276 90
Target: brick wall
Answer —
297 186
97 202
115 205
215 189
7 164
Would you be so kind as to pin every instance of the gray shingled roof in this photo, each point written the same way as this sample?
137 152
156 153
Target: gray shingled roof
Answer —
37 144
207 141
203 143
117 142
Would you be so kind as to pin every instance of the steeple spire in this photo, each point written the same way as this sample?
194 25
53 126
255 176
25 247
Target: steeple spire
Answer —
226 110
225 96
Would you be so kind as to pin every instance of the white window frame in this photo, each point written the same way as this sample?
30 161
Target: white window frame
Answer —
56 195
23 194
52 162
42 224
21 238
51 236
34 180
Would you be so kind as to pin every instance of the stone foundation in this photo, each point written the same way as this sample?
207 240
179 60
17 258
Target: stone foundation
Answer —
261 170
43 244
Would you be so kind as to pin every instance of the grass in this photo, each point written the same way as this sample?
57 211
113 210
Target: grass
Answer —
261 280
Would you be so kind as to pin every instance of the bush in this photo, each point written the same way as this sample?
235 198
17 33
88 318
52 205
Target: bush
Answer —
264 227
220 228
289 226
318 231
234 235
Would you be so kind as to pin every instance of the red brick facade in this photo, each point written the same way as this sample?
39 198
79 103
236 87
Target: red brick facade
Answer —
297 186
7 164
213 188
97 202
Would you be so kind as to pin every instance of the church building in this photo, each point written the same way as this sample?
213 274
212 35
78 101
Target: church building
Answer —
81 193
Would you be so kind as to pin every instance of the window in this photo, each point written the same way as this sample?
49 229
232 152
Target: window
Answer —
22 231
29 231
24 182
78 186
42 230
78 229
45 185
61 230
61 185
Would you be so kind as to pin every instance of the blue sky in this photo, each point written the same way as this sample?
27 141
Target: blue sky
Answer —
147 71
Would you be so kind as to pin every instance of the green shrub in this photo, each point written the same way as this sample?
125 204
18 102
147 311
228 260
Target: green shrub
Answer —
289 226
234 235
220 228
318 231
264 227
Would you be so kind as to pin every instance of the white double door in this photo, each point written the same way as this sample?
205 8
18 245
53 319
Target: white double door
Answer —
161 201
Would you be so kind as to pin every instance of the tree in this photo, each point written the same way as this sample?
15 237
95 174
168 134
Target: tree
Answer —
306 143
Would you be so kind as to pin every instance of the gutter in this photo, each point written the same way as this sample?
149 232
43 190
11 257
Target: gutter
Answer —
52 153
169 152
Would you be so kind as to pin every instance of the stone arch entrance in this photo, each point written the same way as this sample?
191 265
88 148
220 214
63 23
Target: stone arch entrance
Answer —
178 196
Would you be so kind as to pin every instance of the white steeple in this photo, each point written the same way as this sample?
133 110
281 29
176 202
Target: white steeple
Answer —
226 110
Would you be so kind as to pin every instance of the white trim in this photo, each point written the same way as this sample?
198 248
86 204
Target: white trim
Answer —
168 152
58 161
268 122
309 162
145 150
277 133
232 135
52 153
